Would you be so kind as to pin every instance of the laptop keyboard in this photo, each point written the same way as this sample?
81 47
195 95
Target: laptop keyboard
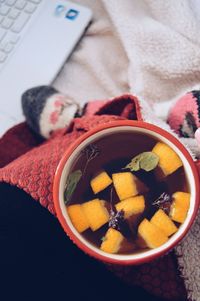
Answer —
14 16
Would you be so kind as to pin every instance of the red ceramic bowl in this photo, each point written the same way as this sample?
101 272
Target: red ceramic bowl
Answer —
113 128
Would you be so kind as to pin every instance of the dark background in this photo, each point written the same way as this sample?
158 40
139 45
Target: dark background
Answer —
39 262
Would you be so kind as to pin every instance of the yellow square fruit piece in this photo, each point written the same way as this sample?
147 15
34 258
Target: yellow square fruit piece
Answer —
151 234
127 185
112 241
100 182
178 213
169 161
162 221
96 213
132 205
78 217
182 199
180 206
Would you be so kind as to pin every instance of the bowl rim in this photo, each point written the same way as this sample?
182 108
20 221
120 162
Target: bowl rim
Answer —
74 145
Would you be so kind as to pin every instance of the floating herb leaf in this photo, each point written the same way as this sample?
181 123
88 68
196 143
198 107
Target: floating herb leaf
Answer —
71 184
91 151
134 165
146 161
163 202
103 238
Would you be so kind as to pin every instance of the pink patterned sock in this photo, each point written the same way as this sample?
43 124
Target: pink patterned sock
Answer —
184 117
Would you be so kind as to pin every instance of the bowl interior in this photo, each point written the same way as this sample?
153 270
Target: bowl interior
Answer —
108 134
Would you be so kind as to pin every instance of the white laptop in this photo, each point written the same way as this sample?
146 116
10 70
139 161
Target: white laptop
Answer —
36 38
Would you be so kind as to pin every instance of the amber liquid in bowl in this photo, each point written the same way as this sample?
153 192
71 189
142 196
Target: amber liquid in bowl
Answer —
114 152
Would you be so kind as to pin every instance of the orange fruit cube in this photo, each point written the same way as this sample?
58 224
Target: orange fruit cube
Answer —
182 199
180 206
169 161
127 185
112 241
100 182
132 205
162 221
152 235
96 213
78 217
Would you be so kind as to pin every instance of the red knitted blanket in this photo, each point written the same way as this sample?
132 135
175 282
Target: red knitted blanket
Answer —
30 163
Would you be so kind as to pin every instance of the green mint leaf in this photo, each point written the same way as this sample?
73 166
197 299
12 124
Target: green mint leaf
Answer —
149 161
71 184
146 161
103 238
134 165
